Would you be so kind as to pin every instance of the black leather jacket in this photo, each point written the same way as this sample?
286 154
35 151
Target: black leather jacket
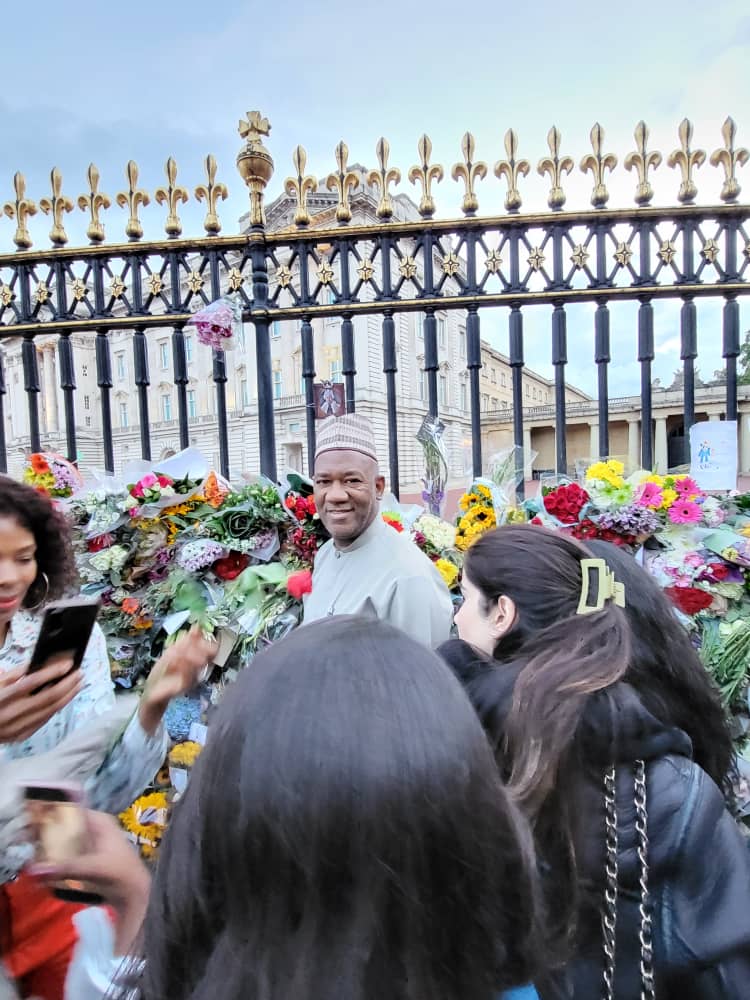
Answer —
698 860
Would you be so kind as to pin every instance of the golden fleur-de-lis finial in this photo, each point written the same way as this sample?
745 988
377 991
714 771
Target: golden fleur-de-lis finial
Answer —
687 159
343 182
383 178
171 196
211 192
56 205
555 166
133 199
730 158
425 173
469 172
255 163
597 162
92 203
642 160
300 186
512 168
20 210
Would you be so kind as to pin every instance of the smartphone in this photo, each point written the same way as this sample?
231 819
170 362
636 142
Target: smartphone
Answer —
66 628
59 831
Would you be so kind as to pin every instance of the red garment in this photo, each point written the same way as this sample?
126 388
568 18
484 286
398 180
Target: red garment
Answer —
37 937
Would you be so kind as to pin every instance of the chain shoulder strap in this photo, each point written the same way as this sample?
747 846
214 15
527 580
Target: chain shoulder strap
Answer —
609 912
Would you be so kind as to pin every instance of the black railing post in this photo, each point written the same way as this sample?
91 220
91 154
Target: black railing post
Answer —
431 362
104 381
179 363
140 364
515 325
390 367
559 360
308 377
68 386
3 451
646 357
602 358
730 351
219 374
474 365
348 364
688 354
31 386
264 373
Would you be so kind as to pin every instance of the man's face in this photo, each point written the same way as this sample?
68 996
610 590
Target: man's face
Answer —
347 490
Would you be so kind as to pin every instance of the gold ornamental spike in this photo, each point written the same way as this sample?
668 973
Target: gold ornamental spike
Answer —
57 204
597 162
555 166
343 182
729 158
92 203
300 186
20 210
469 172
211 192
132 199
171 195
383 177
425 173
255 163
687 159
512 168
642 160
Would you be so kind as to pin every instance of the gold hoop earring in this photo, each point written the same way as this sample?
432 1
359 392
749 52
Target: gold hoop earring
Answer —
44 596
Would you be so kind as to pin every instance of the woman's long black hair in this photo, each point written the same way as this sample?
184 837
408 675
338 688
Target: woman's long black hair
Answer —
344 835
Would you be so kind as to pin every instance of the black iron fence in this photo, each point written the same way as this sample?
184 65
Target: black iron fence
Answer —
324 266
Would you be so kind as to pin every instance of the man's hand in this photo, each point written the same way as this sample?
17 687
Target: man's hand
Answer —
178 670
22 711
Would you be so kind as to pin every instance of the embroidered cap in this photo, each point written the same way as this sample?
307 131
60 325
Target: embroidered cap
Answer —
351 432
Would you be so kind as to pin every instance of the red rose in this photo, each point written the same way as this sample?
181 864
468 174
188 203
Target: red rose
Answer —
299 583
164 480
690 600
230 567
100 542
290 503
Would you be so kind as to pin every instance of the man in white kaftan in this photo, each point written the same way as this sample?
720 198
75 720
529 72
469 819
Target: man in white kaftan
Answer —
368 568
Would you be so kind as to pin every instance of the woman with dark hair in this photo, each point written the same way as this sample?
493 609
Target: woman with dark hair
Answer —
667 672
344 836
39 711
647 878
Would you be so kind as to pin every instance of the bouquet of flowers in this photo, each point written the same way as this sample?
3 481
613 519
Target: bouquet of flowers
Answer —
307 533
52 474
218 324
430 436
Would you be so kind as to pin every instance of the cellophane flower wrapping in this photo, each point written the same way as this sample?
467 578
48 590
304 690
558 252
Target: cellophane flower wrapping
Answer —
430 436
219 323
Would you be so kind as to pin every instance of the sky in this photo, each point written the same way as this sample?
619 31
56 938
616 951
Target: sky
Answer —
106 84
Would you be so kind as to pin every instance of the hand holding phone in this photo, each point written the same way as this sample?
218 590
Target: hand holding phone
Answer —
27 701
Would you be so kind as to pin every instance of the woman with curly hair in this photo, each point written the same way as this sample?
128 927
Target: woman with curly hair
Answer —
39 711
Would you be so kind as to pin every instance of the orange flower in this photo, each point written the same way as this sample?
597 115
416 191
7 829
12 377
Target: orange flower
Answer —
213 493
130 605
142 623
39 463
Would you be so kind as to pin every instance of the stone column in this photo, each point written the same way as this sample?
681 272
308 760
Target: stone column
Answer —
594 439
527 458
50 388
661 460
743 432
634 444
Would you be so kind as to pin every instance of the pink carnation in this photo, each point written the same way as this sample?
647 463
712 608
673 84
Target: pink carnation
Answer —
649 495
686 488
684 512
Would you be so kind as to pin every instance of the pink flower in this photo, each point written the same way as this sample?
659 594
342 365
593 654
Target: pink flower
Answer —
137 491
649 495
133 512
164 480
684 512
148 480
686 488
693 560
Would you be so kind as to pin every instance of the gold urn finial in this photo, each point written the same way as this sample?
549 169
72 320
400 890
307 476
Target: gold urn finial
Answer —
56 205
687 159
210 192
300 186
133 199
597 162
92 203
642 161
730 158
343 182
555 166
20 210
255 163
469 172
512 168
171 195
383 177
425 173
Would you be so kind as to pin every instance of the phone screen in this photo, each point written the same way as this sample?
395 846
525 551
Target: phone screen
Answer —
58 830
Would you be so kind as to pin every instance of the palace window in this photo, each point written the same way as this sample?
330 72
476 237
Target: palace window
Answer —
192 404
166 406
278 386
